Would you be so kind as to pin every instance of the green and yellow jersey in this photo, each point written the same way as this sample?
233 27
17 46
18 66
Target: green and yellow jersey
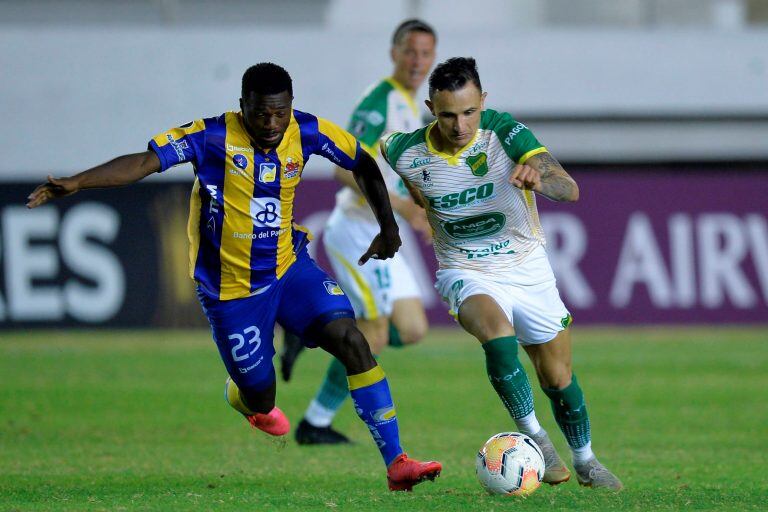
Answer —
385 107
479 219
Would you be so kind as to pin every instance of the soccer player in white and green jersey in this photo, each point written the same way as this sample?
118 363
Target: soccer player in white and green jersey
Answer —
476 172
384 293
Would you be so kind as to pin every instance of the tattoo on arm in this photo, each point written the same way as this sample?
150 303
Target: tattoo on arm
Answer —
556 184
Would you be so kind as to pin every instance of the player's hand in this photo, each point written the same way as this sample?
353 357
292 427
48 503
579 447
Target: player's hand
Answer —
526 177
55 187
383 246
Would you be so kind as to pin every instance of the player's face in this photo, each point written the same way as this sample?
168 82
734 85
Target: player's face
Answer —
413 57
267 117
458 114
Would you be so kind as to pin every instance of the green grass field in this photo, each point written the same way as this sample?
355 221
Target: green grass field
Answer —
135 420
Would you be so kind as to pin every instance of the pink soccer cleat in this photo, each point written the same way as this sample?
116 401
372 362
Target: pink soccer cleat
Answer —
403 473
274 423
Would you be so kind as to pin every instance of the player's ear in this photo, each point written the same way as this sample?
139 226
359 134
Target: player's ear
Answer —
482 100
430 106
392 53
241 105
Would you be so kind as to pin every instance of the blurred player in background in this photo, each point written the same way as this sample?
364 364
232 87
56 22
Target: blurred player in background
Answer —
384 293
476 172
250 260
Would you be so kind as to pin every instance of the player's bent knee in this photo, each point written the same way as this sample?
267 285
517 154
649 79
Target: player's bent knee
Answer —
412 332
356 353
556 377
347 343
491 331
375 332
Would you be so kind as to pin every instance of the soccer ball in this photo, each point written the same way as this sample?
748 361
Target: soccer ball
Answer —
510 463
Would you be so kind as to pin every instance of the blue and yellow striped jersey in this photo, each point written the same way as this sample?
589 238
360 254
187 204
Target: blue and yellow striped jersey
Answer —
241 231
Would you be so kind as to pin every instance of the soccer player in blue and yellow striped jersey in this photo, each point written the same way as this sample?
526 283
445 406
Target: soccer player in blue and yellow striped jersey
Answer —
250 260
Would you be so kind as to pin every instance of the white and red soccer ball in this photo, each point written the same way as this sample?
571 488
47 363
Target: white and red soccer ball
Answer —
510 463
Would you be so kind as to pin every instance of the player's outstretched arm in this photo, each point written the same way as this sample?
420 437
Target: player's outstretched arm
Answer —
368 178
406 207
123 170
543 174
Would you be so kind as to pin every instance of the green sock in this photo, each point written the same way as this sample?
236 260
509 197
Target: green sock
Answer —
394 337
508 376
334 389
570 412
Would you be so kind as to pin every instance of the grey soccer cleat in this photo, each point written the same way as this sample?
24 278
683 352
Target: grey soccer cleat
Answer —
593 474
555 471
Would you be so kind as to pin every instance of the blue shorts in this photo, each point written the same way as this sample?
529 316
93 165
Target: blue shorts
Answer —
243 329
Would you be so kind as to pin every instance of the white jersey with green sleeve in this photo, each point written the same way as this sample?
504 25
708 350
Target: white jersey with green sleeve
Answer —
480 220
386 107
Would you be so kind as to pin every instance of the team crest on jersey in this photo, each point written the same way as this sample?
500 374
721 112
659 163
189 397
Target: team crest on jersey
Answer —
267 172
240 161
426 178
333 288
478 164
291 168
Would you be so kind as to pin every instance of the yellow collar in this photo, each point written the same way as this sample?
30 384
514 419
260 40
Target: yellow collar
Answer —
406 94
451 159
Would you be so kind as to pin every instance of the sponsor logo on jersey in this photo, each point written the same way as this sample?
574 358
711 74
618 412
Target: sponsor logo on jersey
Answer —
328 150
240 161
375 117
477 226
178 146
480 145
463 198
266 212
491 250
232 149
333 288
478 164
418 162
513 132
291 168
267 172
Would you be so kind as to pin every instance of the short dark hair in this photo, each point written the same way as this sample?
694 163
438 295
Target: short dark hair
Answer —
454 74
412 25
266 78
